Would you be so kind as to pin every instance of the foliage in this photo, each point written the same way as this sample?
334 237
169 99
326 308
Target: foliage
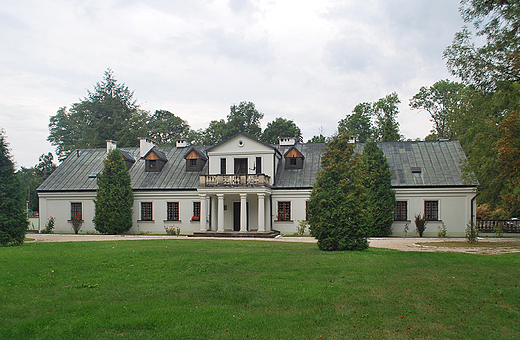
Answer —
280 127
439 100
114 198
471 232
245 118
497 60
337 206
420 224
319 139
33 177
108 113
77 222
49 226
172 230
406 229
13 219
379 193
358 125
442 231
301 227
165 128
384 113
234 288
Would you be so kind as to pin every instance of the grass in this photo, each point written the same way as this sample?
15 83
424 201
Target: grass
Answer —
482 244
221 289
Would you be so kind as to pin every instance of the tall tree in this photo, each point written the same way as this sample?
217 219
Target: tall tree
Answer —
439 100
386 111
33 177
165 128
497 58
245 118
114 198
337 207
358 125
108 112
280 127
379 193
318 139
13 220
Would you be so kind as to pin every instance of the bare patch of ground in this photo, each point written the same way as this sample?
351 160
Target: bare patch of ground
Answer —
460 245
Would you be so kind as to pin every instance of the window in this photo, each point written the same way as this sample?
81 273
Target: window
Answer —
75 211
152 164
292 161
146 211
222 166
258 165
284 211
196 211
172 211
431 210
401 211
193 163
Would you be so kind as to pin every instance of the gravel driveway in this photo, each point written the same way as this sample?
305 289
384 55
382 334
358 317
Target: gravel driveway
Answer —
403 244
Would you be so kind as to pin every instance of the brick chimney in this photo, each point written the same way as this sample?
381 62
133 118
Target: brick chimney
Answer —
287 141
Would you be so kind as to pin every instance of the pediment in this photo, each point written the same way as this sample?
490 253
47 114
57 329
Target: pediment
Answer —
243 144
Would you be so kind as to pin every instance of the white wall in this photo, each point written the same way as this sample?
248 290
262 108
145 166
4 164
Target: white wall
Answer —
298 199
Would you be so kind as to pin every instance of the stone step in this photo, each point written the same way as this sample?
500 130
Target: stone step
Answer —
237 234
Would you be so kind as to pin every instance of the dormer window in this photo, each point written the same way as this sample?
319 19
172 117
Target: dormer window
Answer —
154 160
293 159
194 160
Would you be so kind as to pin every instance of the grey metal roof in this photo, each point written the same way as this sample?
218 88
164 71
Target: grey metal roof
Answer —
413 164
304 177
423 164
73 173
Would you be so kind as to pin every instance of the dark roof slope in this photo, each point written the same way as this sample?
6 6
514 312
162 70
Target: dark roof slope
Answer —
73 173
304 177
435 164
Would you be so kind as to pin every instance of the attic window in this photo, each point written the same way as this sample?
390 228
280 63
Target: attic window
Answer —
293 159
416 170
93 175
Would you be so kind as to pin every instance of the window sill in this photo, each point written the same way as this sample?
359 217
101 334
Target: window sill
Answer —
169 221
151 221
284 221
70 221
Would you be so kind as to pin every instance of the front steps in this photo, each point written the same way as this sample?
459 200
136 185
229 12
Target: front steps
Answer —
237 234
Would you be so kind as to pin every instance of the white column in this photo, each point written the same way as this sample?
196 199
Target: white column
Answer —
261 212
243 213
208 208
220 223
214 213
203 214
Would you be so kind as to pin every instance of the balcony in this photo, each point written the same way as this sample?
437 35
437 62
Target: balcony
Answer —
233 181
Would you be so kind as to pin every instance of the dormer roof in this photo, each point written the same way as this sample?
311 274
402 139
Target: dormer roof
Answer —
159 154
293 152
194 151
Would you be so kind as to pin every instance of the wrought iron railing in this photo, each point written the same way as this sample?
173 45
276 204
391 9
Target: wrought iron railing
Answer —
260 180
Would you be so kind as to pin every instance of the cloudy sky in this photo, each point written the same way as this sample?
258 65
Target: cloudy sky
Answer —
308 61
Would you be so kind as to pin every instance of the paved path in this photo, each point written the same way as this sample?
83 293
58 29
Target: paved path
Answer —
398 243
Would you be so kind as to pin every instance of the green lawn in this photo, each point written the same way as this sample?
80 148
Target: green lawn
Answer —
219 289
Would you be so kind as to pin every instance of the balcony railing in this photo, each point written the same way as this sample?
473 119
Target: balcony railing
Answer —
492 226
209 181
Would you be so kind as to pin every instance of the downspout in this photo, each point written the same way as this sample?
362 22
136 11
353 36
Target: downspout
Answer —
473 219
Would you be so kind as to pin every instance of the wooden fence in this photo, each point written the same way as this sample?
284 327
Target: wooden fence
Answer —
492 226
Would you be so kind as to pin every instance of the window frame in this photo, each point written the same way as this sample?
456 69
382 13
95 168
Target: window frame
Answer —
172 211
74 210
399 210
431 213
284 211
146 211
196 211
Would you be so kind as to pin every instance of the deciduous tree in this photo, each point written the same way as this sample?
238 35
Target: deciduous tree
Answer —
165 128
114 198
280 127
358 125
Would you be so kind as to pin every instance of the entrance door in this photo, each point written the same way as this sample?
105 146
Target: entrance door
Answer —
240 166
236 216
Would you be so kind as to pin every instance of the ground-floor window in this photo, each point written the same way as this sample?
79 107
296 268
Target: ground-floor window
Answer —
284 211
172 211
146 211
431 210
196 211
401 211
76 211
